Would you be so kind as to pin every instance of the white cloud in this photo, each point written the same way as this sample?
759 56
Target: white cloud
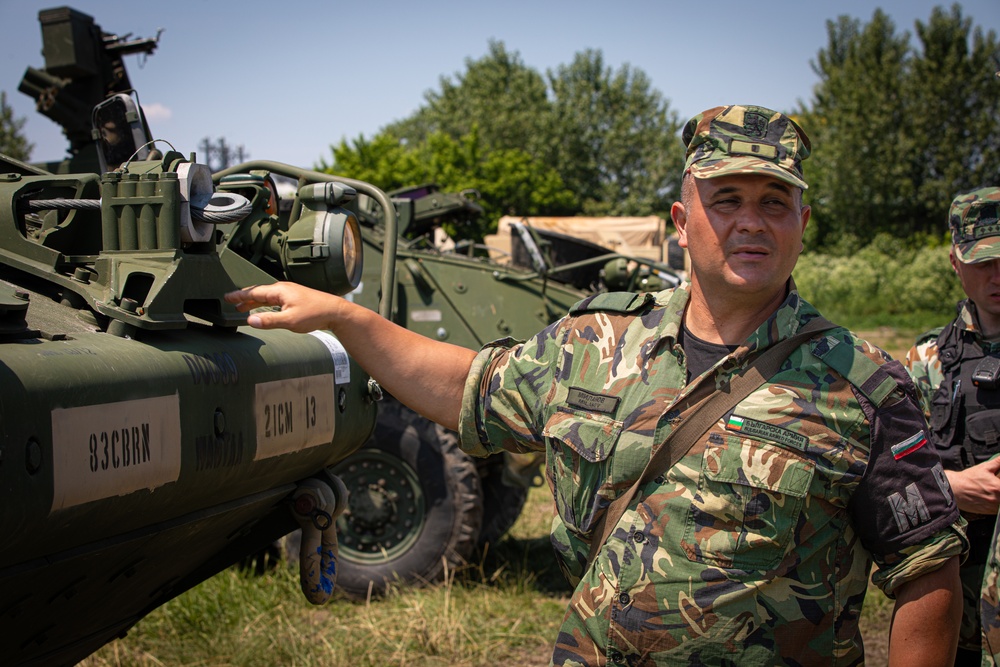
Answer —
156 112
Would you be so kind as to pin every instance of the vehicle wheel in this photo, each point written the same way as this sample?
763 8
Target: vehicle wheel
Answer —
502 502
415 505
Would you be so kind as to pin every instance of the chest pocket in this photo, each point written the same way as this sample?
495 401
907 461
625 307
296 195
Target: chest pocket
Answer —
580 446
983 429
749 501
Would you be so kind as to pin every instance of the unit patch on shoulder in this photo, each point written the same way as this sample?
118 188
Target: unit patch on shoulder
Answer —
764 431
909 445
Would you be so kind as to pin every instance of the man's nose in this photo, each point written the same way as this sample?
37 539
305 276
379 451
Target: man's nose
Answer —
750 220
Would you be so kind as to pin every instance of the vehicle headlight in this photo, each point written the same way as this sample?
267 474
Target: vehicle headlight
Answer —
322 248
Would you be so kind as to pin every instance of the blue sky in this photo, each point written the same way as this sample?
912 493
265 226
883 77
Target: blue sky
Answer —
287 80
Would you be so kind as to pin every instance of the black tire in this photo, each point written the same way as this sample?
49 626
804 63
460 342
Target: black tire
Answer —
415 506
502 502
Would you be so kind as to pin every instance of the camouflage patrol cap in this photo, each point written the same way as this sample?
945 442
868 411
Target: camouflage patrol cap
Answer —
975 230
745 140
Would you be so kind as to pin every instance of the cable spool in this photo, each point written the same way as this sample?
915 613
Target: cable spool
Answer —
196 192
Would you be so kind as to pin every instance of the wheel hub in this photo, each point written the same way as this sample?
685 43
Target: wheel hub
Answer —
385 511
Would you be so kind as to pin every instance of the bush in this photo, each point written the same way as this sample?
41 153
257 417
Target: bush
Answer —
883 284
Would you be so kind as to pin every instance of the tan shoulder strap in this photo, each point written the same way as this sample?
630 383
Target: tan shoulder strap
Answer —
698 417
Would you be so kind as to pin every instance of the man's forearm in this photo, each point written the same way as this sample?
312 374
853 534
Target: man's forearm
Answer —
926 618
424 374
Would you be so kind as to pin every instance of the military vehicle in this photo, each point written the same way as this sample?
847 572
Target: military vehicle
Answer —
418 505
151 439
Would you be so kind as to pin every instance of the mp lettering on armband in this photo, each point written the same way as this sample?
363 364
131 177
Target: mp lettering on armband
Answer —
910 510
942 481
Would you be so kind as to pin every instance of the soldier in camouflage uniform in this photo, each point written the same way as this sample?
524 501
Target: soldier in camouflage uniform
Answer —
952 368
989 604
755 548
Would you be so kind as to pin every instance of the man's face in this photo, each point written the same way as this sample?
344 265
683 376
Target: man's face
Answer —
743 233
981 282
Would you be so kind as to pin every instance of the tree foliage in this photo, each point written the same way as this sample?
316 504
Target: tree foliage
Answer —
508 181
12 142
616 139
588 140
899 130
498 94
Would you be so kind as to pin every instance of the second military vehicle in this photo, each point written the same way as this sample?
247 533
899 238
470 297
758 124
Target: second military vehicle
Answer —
419 505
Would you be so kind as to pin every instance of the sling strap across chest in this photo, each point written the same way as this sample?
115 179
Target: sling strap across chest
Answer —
705 407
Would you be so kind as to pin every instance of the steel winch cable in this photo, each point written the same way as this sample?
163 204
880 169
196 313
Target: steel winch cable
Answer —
224 207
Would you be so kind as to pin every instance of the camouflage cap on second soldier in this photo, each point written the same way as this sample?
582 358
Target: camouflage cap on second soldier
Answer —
975 230
745 140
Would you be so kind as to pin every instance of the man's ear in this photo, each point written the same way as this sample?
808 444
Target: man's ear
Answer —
954 260
805 214
679 217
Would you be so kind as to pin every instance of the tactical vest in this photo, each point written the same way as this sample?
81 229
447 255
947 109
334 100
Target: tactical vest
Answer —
965 414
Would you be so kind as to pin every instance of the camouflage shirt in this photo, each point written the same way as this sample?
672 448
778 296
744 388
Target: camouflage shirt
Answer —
989 604
922 360
924 365
755 548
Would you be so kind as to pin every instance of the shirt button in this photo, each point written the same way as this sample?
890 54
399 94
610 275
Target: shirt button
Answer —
624 598
638 537
616 657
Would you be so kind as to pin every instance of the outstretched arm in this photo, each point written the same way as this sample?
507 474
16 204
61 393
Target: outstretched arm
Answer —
426 375
926 617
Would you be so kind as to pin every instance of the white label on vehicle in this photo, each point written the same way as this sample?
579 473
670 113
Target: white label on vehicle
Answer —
357 290
341 362
425 315
294 414
112 449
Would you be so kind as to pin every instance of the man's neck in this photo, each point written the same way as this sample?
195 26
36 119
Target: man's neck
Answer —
728 320
988 325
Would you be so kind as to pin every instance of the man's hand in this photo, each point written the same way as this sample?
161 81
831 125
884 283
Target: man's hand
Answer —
977 489
424 374
925 620
302 309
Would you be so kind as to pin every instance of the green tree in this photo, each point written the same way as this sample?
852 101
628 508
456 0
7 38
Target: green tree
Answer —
508 180
592 140
899 130
504 98
12 142
954 95
616 138
858 175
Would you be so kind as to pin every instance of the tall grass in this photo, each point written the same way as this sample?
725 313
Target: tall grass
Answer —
503 610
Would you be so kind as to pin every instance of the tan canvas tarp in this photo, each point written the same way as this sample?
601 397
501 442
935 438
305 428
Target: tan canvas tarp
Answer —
636 237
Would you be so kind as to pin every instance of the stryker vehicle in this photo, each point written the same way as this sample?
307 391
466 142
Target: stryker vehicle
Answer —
418 505
150 438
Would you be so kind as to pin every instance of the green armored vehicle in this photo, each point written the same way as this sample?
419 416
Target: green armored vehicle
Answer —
151 439
418 505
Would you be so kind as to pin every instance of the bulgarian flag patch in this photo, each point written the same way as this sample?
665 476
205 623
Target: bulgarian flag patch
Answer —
735 423
909 445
